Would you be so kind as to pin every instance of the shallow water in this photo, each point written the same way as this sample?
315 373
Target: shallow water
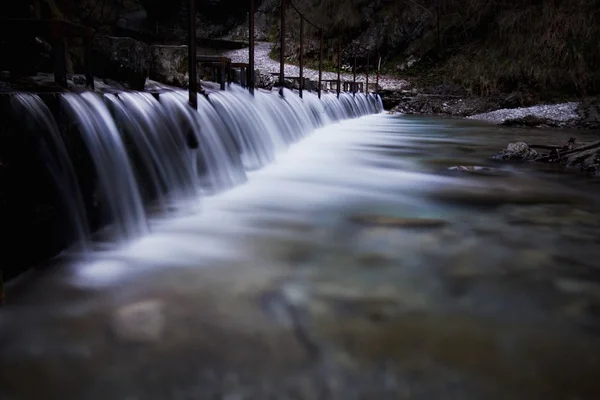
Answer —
356 266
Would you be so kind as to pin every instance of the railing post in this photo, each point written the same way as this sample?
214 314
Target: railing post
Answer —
339 66
367 85
301 86
354 74
250 72
221 76
193 80
89 71
320 60
377 79
282 48
59 53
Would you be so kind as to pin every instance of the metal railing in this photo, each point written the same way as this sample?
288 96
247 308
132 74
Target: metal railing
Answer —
282 31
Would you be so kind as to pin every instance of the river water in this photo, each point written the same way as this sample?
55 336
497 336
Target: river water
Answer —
358 265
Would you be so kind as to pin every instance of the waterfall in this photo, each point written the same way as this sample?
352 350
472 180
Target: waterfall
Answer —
152 152
31 109
107 149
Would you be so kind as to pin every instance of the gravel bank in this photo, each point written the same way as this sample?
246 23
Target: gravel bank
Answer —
263 62
564 112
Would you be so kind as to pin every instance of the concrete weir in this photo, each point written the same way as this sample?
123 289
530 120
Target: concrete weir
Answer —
75 163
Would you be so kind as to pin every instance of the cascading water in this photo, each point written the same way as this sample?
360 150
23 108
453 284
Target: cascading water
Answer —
116 177
39 118
159 140
148 151
217 160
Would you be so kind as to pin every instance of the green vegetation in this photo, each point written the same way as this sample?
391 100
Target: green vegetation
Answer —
547 47
544 47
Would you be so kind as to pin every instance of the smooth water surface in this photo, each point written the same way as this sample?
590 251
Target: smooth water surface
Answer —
357 265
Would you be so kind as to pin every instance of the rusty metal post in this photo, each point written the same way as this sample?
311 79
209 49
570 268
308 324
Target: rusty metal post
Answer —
377 78
354 74
221 77
282 48
250 72
367 85
193 77
339 66
59 55
320 60
301 55
89 71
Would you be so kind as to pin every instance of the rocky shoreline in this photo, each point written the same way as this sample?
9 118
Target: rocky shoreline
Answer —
508 110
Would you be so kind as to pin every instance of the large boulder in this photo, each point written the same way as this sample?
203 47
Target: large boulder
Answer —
169 65
121 59
589 114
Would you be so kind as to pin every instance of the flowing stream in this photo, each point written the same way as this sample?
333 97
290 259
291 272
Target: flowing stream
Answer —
324 250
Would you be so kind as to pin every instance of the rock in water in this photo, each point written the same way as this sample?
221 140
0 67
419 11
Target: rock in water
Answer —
142 322
517 151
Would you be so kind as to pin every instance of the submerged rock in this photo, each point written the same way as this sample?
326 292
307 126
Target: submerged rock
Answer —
517 151
474 169
396 222
141 322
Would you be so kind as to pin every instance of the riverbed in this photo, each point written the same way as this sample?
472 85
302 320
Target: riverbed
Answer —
361 264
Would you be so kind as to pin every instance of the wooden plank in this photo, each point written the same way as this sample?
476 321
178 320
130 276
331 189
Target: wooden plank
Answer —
212 64
217 59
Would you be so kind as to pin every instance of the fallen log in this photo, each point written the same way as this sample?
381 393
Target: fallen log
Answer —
592 145
544 147
585 157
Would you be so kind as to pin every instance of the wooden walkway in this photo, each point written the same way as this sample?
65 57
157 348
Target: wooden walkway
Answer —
222 69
